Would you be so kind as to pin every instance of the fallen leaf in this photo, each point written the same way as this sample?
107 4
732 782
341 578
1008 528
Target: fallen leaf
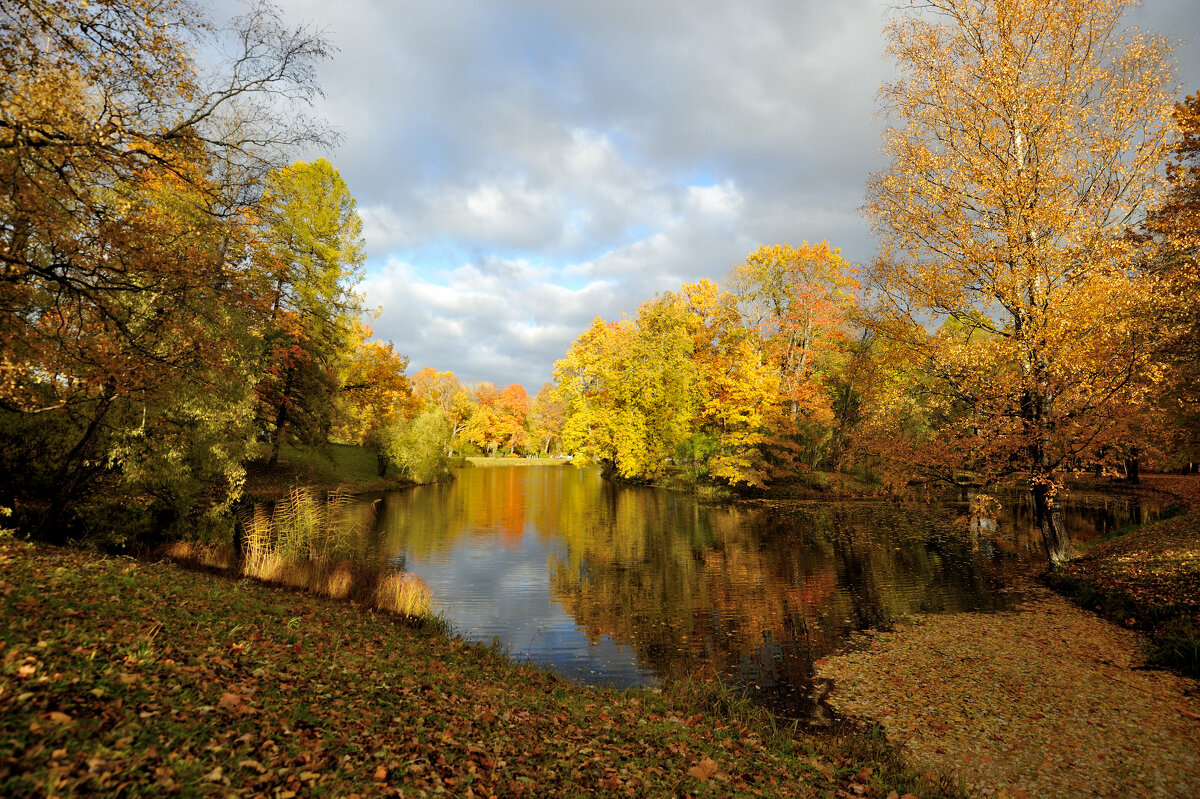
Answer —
704 770
381 773
229 700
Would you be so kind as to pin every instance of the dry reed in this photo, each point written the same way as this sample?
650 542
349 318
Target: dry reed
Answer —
318 546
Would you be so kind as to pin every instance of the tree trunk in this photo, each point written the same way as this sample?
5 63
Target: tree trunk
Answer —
1048 515
281 420
381 461
1131 467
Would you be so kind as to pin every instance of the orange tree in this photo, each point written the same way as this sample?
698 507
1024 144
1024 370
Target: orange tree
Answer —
1174 227
376 394
1027 136
799 301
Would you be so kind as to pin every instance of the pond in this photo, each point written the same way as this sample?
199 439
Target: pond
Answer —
625 585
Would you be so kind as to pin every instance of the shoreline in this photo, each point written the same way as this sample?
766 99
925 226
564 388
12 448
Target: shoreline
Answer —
144 677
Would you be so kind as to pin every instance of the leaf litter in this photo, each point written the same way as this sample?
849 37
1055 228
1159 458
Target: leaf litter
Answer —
1046 700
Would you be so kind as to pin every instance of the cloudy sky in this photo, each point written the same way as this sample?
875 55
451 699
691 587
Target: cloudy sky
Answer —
524 166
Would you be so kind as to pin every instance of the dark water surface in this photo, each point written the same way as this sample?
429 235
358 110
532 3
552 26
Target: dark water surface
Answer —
625 585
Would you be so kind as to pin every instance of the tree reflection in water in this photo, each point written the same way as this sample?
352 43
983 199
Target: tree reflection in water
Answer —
751 593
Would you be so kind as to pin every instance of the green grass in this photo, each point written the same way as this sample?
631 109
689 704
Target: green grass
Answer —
479 461
324 466
136 678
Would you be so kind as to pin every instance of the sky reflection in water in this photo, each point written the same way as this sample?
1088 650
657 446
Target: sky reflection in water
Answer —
626 585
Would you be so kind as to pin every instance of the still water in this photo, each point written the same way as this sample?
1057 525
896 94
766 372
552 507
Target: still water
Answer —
626 585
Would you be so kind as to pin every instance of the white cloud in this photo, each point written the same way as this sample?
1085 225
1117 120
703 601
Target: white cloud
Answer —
716 201
522 167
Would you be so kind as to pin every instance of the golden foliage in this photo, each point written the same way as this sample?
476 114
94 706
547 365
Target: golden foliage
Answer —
1026 138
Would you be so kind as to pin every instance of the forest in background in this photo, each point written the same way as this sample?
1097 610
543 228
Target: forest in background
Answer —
180 297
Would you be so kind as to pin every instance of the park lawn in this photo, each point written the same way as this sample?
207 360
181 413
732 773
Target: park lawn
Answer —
320 467
539 461
140 678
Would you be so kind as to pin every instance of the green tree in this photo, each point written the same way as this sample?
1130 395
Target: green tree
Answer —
313 255
126 174
418 446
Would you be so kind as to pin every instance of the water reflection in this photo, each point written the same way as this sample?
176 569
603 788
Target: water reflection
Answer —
626 585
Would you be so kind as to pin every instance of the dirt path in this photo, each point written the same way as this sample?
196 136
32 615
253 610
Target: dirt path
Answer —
1044 701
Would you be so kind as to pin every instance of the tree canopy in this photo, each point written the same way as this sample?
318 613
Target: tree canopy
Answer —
1027 138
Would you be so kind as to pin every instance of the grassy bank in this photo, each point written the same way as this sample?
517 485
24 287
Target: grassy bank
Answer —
124 676
321 467
1148 578
488 462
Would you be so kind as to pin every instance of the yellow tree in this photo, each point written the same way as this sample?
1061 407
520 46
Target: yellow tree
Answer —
376 394
1028 135
799 300
630 389
740 404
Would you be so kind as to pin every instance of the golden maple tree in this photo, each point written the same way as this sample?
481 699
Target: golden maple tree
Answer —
1027 136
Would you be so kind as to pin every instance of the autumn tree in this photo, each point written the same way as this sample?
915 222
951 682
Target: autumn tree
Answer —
375 396
1027 137
799 300
126 177
313 244
1173 229
444 391
741 407
499 419
630 390
683 384
546 418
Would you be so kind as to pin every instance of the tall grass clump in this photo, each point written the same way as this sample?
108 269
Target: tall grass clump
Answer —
404 593
322 546
1176 646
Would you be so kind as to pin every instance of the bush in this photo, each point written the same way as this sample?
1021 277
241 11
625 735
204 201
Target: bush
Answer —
418 446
